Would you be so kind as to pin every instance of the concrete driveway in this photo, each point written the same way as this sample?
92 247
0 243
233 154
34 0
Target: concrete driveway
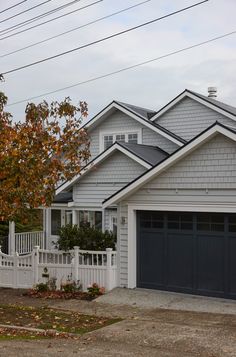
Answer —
144 331
151 299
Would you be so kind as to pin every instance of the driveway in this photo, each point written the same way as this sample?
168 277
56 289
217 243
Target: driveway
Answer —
143 332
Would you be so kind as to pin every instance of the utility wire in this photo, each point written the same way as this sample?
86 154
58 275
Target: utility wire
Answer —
35 18
11 7
22 12
75 28
102 39
125 68
55 18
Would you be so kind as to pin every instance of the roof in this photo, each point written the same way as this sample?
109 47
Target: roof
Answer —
133 154
63 197
146 113
150 154
142 119
220 107
167 162
224 106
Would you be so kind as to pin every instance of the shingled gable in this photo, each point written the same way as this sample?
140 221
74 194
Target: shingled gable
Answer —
196 142
139 157
136 114
222 108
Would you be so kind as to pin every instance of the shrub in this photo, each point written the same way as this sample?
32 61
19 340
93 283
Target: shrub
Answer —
95 290
85 237
41 287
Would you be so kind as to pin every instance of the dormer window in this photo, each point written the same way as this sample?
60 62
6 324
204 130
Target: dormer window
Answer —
107 139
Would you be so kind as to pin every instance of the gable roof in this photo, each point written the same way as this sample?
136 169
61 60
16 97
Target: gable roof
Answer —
146 113
199 140
63 197
140 157
222 108
136 115
148 153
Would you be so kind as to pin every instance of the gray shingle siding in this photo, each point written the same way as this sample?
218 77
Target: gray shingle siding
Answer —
105 179
188 118
206 176
120 121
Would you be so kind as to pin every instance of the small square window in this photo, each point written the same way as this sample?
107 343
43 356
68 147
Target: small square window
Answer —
108 141
120 138
133 138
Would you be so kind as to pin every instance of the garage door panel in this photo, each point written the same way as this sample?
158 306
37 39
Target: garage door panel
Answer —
188 252
151 251
210 263
180 261
232 265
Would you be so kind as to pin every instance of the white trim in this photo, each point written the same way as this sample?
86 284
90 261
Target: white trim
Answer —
185 94
98 160
117 132
186 150
142 120
132 223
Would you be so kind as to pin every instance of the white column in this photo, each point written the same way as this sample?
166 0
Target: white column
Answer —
11 238
76 264
36 264
74 217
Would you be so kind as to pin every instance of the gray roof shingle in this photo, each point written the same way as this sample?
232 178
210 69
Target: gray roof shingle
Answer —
150 154
144 112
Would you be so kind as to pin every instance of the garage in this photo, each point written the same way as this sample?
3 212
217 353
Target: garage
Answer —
187 252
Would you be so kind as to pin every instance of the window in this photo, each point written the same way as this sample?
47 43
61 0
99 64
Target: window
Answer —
120 138
90 219
108 139
55 221
68 217
133 138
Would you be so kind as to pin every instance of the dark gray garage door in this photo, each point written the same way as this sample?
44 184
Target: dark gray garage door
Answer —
187 252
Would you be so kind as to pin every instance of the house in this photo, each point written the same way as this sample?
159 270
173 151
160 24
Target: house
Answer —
165 181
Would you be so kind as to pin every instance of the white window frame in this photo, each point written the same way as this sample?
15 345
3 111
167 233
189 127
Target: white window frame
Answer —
119 132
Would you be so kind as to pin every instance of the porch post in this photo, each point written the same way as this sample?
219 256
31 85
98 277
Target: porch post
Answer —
74 217
11 238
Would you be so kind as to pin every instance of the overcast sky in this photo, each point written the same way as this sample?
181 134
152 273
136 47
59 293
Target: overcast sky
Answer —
151 85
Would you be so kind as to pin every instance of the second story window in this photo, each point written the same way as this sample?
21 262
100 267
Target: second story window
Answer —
108 139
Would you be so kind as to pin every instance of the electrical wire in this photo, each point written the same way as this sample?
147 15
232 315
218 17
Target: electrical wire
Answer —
38 17
22 12
75 28
125 68
55 18
102 39
11 7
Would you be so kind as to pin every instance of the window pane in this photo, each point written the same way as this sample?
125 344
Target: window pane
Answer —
108 141
98 220
133 138
55 221
120 138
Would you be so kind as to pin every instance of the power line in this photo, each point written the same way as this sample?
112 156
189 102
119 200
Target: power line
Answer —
24 23
22 12
11 7
125 68
75 28
55 18
102 39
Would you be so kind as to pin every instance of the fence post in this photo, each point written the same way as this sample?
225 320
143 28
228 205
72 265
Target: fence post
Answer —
11 238
109 270
76 263
15 269
36 264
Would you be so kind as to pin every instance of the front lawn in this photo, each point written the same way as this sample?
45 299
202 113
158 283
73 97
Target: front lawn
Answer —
55 323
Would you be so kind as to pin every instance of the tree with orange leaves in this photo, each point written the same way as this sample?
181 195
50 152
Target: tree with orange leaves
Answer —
49 146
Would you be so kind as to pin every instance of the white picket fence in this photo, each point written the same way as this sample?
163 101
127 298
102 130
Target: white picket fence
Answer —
85 267
26 241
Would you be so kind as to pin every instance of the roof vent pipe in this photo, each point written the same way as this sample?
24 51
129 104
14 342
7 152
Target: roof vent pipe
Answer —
212 92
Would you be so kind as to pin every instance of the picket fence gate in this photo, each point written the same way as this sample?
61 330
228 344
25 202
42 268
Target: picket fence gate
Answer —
85 267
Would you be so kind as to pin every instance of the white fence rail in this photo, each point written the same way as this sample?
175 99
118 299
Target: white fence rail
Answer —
25 242
85 267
